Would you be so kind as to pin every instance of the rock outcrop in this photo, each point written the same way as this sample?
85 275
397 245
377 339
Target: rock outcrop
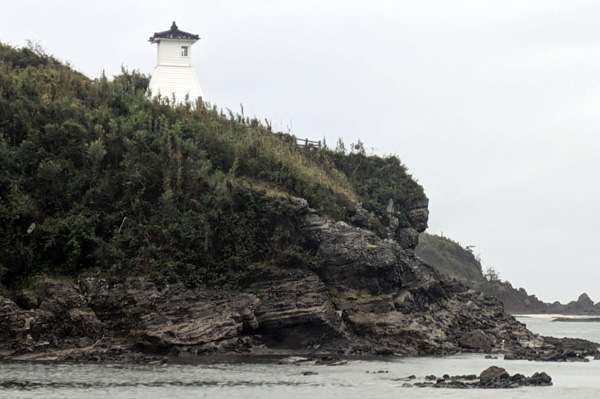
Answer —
371 295
387 294
493 377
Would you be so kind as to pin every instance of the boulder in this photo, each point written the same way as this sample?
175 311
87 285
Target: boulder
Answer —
493 375
539 379
477 340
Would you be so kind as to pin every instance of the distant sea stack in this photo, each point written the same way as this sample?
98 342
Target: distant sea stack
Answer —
174 75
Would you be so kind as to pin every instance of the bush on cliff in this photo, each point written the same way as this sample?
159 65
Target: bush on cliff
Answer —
97 178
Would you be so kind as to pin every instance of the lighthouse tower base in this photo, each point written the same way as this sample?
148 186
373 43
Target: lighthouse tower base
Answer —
174 80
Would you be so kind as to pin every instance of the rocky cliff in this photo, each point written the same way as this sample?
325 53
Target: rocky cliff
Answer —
177 231
370 295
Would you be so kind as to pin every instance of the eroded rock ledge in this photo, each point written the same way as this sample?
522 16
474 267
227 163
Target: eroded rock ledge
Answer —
371 296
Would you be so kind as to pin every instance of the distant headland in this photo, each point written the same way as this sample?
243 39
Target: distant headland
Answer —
454 261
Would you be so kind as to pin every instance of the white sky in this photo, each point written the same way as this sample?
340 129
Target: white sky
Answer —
492 105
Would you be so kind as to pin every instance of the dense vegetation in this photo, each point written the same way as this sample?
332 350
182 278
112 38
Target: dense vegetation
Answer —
450 259
96 178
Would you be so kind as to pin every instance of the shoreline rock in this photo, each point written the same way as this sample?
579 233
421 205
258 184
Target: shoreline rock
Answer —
557 350
134 321
493 377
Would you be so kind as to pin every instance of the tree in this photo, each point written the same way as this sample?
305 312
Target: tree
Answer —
491 275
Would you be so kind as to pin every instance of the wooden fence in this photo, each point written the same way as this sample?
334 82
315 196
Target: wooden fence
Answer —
308 143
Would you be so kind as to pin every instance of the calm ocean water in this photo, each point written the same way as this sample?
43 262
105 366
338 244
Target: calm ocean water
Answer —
356 379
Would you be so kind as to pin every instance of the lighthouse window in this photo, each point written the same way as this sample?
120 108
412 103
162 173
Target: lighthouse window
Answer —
184 51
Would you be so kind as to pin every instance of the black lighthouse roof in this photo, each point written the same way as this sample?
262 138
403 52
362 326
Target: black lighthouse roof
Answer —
173 33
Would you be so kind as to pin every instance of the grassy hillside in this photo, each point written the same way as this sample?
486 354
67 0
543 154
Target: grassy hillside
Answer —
450 259
96 178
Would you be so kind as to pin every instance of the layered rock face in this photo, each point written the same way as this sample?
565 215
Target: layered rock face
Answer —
389 295
371 295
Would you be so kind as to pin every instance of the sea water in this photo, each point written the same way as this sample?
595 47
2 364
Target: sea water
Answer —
375 378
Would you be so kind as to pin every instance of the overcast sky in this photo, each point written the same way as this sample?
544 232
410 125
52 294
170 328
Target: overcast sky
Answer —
492 105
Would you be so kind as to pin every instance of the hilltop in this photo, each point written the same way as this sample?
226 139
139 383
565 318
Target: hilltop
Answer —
135 228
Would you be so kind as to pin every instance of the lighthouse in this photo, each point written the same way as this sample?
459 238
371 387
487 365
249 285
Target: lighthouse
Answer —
174 75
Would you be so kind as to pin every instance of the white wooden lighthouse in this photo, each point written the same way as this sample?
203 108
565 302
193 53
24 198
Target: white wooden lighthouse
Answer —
174 75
